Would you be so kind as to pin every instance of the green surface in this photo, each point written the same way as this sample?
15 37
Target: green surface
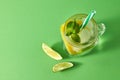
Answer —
25 24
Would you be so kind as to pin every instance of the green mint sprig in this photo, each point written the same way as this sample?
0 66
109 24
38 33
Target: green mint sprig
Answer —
72 30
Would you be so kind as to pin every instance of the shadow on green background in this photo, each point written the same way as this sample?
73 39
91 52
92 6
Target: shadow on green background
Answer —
60 48
112 34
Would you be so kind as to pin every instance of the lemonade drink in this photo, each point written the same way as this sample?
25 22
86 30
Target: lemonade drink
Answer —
79 40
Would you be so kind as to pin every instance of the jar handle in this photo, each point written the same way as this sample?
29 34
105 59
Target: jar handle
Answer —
101 29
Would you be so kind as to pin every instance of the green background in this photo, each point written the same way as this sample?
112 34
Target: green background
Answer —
26 24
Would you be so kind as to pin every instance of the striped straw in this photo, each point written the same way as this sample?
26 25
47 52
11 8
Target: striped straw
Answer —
88 18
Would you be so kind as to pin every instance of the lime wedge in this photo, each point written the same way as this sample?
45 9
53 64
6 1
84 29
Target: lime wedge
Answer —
50 52
62 66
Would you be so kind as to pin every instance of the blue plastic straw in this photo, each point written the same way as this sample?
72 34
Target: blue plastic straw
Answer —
88 18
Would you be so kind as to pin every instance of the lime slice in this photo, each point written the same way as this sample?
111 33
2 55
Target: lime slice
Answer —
62 66
50 52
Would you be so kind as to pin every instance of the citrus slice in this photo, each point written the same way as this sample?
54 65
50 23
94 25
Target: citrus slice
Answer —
62 66
50 52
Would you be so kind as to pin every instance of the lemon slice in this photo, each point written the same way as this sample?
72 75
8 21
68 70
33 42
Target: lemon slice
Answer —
62 66
50 52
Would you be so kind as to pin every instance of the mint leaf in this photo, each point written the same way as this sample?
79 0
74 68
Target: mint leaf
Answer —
70 24
69 28
75 37
72 30
76 28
